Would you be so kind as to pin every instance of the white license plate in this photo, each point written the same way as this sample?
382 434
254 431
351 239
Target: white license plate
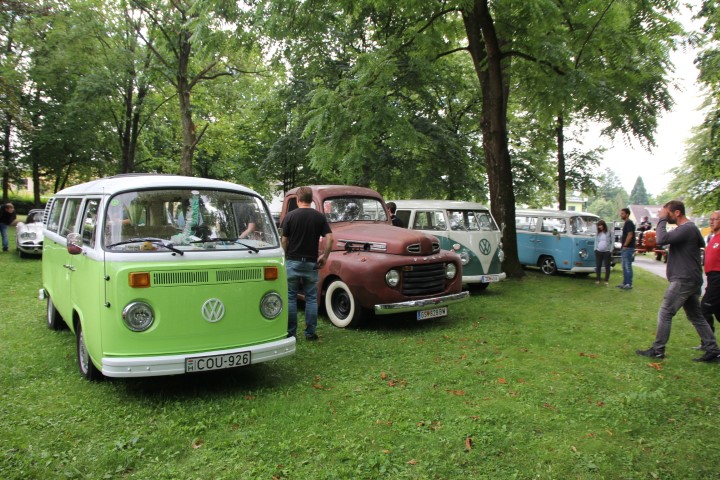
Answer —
217 362
489 278
432 313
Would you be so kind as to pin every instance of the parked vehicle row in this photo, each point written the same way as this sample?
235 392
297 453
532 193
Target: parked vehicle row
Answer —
161 274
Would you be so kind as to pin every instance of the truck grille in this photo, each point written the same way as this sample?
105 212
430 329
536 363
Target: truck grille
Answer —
423 279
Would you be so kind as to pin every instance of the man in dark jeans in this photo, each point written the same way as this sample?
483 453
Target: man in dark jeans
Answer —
684 272
301 232
628 249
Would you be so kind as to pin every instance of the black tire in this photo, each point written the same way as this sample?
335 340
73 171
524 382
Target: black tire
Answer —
547 265
477 287
340 306
85 365
54 320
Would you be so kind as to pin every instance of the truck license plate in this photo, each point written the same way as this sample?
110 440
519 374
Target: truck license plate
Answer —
432 313
217 362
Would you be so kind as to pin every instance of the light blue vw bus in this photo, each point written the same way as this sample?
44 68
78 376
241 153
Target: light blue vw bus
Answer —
556 240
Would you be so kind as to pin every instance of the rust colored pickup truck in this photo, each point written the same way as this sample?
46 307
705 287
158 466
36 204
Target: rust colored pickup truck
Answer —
376 267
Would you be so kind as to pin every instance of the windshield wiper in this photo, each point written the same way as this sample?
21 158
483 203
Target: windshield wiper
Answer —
155 241
235 241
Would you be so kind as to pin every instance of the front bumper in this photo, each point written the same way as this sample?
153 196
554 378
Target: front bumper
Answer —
30 249
175 364
415 305
491 278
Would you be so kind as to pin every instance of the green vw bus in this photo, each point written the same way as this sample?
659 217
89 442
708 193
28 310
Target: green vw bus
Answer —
163 275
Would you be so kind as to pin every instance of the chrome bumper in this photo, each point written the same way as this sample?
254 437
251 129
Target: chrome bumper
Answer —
175 364
415 305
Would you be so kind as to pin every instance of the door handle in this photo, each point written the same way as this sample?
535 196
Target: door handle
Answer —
69 267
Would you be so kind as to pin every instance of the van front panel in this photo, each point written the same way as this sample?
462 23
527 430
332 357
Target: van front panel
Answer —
200 306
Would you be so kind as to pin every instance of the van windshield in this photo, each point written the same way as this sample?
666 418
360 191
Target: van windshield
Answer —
472 220
188 220
584 225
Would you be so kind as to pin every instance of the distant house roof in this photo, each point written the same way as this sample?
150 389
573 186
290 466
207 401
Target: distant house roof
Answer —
637 212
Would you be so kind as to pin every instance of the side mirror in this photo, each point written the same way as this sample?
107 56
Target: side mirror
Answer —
74 244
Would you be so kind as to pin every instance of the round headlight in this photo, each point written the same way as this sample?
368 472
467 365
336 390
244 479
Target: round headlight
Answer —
450 271
392 278
138 316
271 305
464 257
583 253
501 255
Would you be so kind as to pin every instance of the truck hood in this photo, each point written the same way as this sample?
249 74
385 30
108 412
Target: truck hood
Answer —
376 237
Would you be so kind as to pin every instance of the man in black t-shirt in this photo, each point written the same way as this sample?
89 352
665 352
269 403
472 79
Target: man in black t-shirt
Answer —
301 232
7 218
628 249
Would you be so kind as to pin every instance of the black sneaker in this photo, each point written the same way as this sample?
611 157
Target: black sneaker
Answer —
650 352
312 337
713 356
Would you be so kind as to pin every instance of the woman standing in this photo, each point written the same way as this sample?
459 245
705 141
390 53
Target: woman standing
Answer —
603 251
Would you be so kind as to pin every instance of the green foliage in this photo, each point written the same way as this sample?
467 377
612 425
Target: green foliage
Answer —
505 387
638 195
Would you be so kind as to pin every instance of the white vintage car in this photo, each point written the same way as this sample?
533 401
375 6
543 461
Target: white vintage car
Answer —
29 234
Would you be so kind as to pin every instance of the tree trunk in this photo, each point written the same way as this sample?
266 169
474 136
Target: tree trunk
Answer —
484 47
562 184
183 89
7 130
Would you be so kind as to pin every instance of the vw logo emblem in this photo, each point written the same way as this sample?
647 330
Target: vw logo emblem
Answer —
484 247
213 310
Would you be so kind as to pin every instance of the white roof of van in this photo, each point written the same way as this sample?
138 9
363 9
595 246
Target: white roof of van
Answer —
440 204
554 213
140 181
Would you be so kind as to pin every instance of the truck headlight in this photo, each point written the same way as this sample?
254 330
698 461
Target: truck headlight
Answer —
271 305
583 253
450 271
138 316
392 278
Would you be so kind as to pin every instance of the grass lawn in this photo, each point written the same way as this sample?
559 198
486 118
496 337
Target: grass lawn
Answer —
530 379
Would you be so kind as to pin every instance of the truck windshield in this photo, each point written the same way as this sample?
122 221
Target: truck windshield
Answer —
187 220
352 209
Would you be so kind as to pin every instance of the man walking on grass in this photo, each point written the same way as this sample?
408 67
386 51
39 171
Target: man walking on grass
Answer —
684 272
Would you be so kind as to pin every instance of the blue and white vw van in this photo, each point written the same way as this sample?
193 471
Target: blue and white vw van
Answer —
556 240
164 275
465 227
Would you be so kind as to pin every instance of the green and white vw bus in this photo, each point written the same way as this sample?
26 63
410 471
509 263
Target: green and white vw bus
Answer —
163 274
465 227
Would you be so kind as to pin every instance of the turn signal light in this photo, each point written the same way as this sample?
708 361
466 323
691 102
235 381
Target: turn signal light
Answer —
139 280
271 273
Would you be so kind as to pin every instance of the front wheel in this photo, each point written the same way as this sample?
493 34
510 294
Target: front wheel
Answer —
341 307
54 320
85 364
547 265
478 287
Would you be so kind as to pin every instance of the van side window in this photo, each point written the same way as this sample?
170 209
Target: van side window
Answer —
550 224
525 224
429 220
53 222
89 223
69 220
